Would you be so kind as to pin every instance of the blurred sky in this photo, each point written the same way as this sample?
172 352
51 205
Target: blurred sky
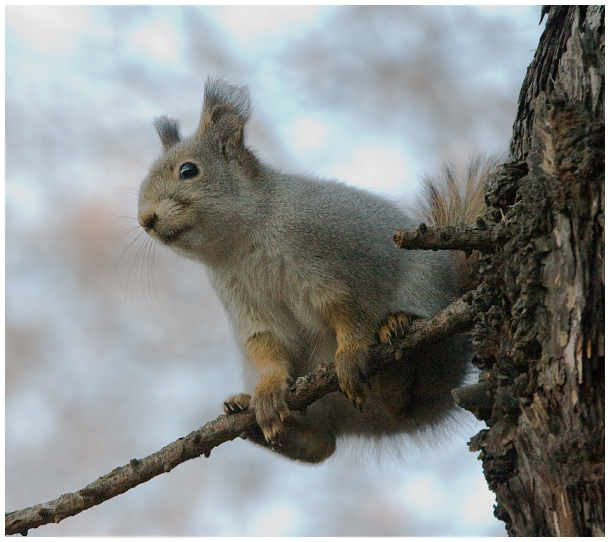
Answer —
110 354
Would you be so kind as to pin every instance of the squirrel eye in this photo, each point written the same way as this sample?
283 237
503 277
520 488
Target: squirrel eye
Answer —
188 170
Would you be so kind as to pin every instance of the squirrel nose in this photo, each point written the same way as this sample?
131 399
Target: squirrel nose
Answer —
148 220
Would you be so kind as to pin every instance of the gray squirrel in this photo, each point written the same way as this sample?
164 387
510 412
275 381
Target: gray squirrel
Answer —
308 273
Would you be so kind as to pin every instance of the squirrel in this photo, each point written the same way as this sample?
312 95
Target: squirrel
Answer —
308 273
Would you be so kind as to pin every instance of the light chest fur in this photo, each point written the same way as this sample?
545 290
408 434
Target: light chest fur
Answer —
265 290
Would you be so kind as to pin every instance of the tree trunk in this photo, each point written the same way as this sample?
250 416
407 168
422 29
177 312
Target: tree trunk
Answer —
540 336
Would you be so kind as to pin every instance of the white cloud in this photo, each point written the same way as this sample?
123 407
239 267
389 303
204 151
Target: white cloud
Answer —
50 29
309 134
249 22
157 39
26 410
24 199
277 519
380 169
424 495
477 503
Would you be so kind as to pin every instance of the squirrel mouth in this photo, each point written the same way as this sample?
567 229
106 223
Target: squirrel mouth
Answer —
170 236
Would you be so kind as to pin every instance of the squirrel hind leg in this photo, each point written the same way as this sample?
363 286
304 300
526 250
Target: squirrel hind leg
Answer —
395 387
418 388
299 441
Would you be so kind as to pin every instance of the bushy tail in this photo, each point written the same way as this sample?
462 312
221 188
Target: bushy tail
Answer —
449 197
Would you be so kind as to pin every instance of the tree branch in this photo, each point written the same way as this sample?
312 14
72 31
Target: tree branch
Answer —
467 238
472 397
456 318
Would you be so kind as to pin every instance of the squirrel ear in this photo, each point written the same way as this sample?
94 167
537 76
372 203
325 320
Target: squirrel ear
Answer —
226 110
169 132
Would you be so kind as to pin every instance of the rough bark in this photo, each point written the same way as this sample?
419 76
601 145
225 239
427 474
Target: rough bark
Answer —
540 336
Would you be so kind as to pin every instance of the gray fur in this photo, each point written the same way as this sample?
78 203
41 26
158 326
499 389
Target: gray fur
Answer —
286 251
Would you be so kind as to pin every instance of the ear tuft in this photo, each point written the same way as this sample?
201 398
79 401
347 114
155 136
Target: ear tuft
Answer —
219 92
226 110
169 132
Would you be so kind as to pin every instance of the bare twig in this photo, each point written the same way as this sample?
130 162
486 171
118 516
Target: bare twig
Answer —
474 396
456 318
467 238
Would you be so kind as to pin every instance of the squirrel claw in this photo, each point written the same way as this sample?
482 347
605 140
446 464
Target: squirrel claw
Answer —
237 403
272 437
396 325
350 363
271 411
356 399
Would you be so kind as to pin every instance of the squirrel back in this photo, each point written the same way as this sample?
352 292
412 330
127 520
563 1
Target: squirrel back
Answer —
308 273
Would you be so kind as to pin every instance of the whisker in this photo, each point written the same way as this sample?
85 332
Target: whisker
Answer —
120 234
132 192
313 349
126 249
142 241
115 216
140 250
123 189
150 254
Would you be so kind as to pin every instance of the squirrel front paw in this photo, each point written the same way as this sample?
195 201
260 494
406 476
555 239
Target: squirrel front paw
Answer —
350 363
270 408
396 326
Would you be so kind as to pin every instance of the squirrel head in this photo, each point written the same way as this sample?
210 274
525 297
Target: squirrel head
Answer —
199 192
